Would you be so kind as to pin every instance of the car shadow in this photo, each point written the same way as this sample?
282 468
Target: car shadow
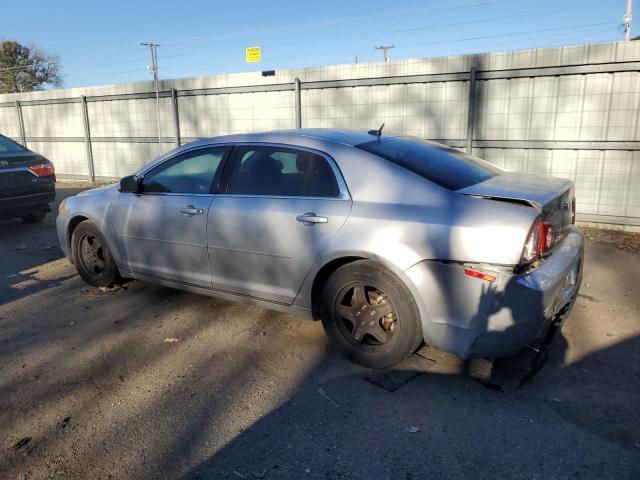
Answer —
344 427
28 250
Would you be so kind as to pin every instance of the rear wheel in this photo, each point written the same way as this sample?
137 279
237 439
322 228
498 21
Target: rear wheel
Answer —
370 315
92 256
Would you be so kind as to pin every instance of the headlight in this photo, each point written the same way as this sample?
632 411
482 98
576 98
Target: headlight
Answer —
62 206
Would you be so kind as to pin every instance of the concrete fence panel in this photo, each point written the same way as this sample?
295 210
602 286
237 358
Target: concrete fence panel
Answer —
571 112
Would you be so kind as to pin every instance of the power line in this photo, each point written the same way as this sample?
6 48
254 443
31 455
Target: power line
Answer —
430 27
391 32
442 6
535 40
510 34
476 21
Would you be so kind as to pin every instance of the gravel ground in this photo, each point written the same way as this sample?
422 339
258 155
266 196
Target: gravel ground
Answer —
91 388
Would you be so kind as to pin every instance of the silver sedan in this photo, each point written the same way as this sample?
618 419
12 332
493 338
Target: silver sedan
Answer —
389 241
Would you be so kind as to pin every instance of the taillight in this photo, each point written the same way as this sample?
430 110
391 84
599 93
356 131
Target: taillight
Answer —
573 208
539 241
43 170
547 237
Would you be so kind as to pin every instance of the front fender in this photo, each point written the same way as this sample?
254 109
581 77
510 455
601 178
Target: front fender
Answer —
92 205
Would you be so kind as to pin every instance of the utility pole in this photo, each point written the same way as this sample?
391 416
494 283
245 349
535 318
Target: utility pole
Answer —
385 49
627 22
154 70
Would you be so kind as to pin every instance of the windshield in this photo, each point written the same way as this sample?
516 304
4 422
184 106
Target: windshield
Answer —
442 165
9 146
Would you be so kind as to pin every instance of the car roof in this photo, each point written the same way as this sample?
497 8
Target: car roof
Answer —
297 136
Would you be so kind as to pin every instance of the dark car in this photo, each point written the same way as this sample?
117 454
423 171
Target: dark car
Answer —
27 182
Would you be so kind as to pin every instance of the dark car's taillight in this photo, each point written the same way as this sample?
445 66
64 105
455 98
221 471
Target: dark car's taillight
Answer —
43 170
573 207
539 242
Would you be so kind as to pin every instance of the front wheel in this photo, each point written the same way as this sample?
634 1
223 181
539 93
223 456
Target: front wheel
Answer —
92 256
370 315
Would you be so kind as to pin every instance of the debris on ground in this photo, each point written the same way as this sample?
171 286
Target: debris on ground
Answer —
261 473
23 446
326 396
413 430
626 241
102 292
172 339
62 424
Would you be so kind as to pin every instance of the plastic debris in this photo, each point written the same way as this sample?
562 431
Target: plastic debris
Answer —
326 396
63 423
23 446
172 339
102 292
261 473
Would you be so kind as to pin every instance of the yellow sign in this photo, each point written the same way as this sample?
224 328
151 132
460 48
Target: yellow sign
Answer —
252 54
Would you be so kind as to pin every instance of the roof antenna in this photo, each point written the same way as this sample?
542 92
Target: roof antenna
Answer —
378 132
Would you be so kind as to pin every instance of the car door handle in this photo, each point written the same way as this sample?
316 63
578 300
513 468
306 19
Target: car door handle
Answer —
310 218
190 211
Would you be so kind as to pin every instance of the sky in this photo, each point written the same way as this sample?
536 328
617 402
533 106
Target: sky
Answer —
99 42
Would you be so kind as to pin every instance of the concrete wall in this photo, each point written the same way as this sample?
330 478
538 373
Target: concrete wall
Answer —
580 124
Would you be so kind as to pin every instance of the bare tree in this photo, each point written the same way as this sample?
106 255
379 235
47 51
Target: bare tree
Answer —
24 68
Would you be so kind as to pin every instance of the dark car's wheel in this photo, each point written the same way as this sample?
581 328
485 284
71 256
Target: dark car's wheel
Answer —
92 256
35 217
370 315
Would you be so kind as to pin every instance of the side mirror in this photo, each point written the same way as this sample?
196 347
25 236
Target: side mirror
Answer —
130 184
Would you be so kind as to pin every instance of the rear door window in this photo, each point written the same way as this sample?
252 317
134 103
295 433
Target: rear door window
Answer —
442 165
275 171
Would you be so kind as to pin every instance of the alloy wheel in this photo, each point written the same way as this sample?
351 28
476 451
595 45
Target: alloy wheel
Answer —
366 317
92 254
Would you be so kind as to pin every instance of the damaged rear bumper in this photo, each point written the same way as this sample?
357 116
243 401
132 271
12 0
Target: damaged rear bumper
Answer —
471 317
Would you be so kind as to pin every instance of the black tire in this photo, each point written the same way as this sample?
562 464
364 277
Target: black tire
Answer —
373 342
92 256
34 217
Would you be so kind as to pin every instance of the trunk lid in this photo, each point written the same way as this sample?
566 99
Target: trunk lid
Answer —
15 178
552 197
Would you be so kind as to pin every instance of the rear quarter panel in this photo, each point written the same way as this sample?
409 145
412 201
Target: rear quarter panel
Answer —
399 219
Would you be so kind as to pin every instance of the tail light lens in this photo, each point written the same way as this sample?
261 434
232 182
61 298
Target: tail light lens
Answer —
573 208
43 170
539 241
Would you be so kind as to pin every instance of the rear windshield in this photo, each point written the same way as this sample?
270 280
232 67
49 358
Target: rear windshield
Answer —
9 146
442 165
